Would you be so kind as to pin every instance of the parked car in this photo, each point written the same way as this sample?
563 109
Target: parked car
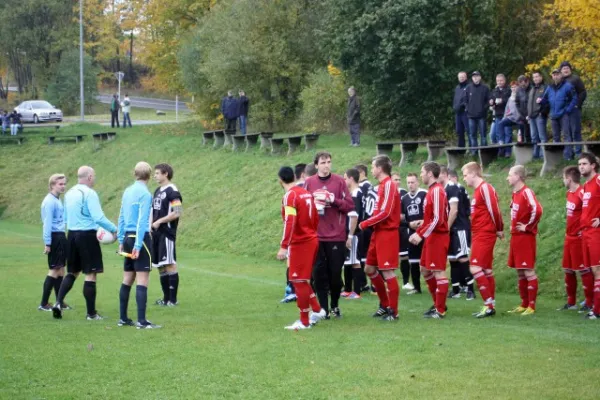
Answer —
39 111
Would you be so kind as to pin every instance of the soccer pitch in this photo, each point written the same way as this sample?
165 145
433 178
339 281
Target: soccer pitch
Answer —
226 340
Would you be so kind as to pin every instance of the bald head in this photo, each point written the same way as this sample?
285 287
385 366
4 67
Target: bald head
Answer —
86 175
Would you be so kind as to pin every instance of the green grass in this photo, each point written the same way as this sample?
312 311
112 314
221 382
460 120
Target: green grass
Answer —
102 114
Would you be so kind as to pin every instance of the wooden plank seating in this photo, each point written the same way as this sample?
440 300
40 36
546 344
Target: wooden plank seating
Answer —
408 149
69 138
104 136
239 142
310 141
489 154
523 153
385 147
456 157
219 139
229 138
276 145
39 126
554 153
265 139
207 137
13 139
435 149
111 135
293 143
251 140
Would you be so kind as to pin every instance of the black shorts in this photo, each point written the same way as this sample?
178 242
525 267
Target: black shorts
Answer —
85 254
364 243
59 249
404 243
163 250
460 244
144 262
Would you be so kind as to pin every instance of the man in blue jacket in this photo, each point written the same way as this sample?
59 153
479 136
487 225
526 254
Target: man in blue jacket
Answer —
562 99
477 96
230 110
461 121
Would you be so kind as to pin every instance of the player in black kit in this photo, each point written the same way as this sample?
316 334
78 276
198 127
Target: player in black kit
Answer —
404 264
412 217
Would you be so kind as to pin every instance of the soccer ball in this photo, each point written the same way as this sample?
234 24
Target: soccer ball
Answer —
104 236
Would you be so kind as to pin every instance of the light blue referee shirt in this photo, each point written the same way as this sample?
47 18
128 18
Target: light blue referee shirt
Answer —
135 213
52 217
83 211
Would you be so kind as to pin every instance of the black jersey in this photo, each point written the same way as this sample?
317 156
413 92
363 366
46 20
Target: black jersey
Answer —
412 206
457 194
357 197
165 199
403 223
369 201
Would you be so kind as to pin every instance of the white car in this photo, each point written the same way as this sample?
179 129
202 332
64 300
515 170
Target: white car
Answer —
38 111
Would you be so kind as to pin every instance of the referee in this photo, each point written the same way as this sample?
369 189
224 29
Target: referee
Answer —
134 240
83 214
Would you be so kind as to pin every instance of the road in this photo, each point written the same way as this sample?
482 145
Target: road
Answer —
147 102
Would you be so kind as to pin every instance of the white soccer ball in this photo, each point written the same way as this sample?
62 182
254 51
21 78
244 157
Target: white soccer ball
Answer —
104 236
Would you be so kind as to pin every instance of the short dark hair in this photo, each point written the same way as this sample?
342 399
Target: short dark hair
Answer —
591 159
384 162
433 167
299 170
286 174
412 174
165 169
443 169
573 173
522 78
310 170
321 154
353 173
452 173
362 168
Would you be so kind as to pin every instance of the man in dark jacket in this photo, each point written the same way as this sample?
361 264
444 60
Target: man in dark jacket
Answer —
477 96
353 117
575 116
498 100
522 96
461 121
229 109
537 114
244 105
114 111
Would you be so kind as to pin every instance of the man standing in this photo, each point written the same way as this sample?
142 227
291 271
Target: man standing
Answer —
114 111
369 199
167 208
384 248
486 226
434 232
575 117
300 245
512 117
590 225
134 240
522 97
126 108
537 114
229 109
333 202
55 241
353 273
477 96
525 214
412 214
461 121
499 99
353 117
244 105
83 215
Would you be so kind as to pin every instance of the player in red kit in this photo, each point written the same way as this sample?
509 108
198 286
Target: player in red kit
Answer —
434 231
385 243
300 245
525 214
486 226
590 224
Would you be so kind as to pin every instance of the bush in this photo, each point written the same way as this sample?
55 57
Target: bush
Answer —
324 102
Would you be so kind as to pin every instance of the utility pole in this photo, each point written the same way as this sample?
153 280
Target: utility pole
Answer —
81 95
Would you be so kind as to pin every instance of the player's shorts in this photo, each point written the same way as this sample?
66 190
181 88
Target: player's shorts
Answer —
404 243
460 244
162 250
301 259
573 253
384 249
365 242
482 250
352 253
85 254
591 248
144 261
435 251
522 251
59 249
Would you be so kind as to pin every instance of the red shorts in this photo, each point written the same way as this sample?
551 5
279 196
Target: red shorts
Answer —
573 253
435 251
482 250
384 249
301 259
591 248
522 251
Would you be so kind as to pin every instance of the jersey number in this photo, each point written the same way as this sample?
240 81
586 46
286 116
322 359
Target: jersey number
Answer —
309 205
369 206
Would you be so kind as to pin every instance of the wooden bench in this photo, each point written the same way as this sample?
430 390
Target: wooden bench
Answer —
207 136
386 147
489 154
523 153
293 143
69 138
239 142
251 140
105 136
310 141
265 139
219 139
229 138
455 156
554 153
435 149
13 139
276 145
111 135
409 149
39 126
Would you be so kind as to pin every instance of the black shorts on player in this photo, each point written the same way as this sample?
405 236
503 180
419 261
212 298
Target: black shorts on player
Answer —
414 253
59 250
460 244
85 254
364 243
144 261
163 250
404 243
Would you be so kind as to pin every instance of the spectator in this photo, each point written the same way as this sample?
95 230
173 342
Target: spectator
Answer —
522 96
512 117
499 98
230 109
4 121
562 99
126 108
114 111
575 116
537 114
461 122
243 112
353 117
15 122
477 96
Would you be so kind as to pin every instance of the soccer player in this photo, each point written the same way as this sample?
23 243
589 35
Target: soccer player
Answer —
412 215
525 214
83 214
333 202
134 239
167 209
486 226
353 273
590 225
55 241
434 232
404 264
573 247
384 247
299 172
369 196
300 246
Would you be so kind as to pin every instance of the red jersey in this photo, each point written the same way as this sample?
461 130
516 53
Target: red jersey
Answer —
574 204
386 214
300 217
591 202
435 212
485 211
525 208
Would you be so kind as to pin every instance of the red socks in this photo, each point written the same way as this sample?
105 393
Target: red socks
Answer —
441 294
587 281
483 285
394 293
431 284
597 296
523 292
379 284
532 288
302 300
571 287
314 303
491 284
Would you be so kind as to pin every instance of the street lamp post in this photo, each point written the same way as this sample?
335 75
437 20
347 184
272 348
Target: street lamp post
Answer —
119 76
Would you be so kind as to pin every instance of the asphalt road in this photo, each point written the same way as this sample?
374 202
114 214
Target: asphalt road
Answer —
147 102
